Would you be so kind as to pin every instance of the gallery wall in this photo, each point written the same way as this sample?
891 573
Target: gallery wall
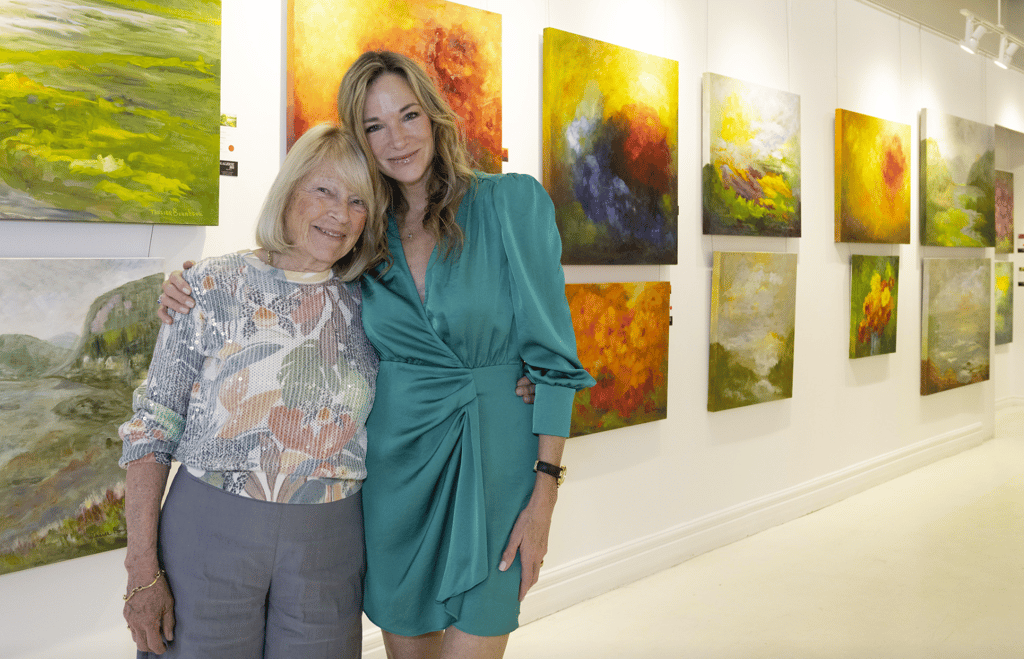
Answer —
643 498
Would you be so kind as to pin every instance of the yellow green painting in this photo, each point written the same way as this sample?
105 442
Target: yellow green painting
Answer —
751 159
1004 212
874 288
110 111
753 328
610 150
76 337
957 181
1004 302
622 340
872 179
459 46
955 320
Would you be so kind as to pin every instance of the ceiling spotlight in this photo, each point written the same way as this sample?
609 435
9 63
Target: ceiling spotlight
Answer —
1006 50
972 34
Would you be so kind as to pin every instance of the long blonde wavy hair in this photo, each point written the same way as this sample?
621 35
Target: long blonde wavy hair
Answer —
451 175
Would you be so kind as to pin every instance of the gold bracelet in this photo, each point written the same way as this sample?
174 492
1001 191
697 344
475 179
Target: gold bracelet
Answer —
138 588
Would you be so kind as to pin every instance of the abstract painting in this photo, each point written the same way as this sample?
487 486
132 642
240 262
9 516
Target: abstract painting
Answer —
955 317
957 181
751 158
872 179
1004 212
111 111
76 337
459 46
610 134
874 285
622 340
1004 302
753 320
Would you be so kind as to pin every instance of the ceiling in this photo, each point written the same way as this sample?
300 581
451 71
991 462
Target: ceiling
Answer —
944 16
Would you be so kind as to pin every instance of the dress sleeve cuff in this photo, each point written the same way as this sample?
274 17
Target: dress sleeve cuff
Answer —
552 410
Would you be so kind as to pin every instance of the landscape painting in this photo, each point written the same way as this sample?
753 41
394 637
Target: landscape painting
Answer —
110 111
751 159
459 46
76 337
1004 302
955 319
622 340
610 132
1004 212
957 181
874 285
753 322
872 179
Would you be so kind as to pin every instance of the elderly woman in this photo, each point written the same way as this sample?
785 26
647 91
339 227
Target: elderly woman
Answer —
261 394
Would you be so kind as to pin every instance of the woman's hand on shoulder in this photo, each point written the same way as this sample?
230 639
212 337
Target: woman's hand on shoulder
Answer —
150 616
177 295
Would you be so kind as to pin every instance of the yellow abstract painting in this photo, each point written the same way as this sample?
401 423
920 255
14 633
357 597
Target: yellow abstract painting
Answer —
872 179
459 46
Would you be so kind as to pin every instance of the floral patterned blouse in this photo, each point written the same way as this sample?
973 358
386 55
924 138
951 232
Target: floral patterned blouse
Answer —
264 388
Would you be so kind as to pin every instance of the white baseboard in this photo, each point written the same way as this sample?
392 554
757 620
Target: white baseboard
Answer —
563 586
1009 401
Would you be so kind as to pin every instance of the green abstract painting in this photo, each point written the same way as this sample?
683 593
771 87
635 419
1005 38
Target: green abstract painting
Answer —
957 181
76 337
955 321
753 323
751 159
110 111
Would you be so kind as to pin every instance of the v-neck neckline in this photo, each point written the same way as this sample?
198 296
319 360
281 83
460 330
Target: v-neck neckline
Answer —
396 231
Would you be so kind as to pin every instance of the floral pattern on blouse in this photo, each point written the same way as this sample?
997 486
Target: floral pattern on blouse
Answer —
264 389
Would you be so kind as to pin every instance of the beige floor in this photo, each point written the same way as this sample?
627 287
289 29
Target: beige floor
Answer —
928 566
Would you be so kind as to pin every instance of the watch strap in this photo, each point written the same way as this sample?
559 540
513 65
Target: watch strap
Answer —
555 471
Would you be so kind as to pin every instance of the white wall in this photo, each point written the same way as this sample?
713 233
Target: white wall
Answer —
644 498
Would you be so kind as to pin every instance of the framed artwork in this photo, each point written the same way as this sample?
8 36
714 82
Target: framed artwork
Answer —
459 46
957 181
110 112
753 320
1004 301
76 337
611 121
955 319
872 179
622 340
1004 212
751 159
874 286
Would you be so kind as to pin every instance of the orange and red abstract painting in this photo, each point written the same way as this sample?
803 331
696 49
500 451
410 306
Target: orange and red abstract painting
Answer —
459 46
622 340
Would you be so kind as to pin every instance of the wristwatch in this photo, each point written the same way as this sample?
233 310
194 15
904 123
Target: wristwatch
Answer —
555 471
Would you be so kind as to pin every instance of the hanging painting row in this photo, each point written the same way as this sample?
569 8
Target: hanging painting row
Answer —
753 302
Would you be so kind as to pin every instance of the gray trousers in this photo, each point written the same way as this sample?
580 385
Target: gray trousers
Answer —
255 579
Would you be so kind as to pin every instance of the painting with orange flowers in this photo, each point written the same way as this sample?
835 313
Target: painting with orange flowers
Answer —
459 46
622 340
872 179
874 286
611 150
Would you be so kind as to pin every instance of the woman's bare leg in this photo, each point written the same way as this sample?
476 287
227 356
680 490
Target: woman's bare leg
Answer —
424 646
460 645
449 644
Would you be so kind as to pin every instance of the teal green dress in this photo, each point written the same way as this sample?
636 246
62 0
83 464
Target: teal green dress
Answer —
451 447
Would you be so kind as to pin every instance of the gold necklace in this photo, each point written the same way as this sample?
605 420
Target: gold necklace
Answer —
270 258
